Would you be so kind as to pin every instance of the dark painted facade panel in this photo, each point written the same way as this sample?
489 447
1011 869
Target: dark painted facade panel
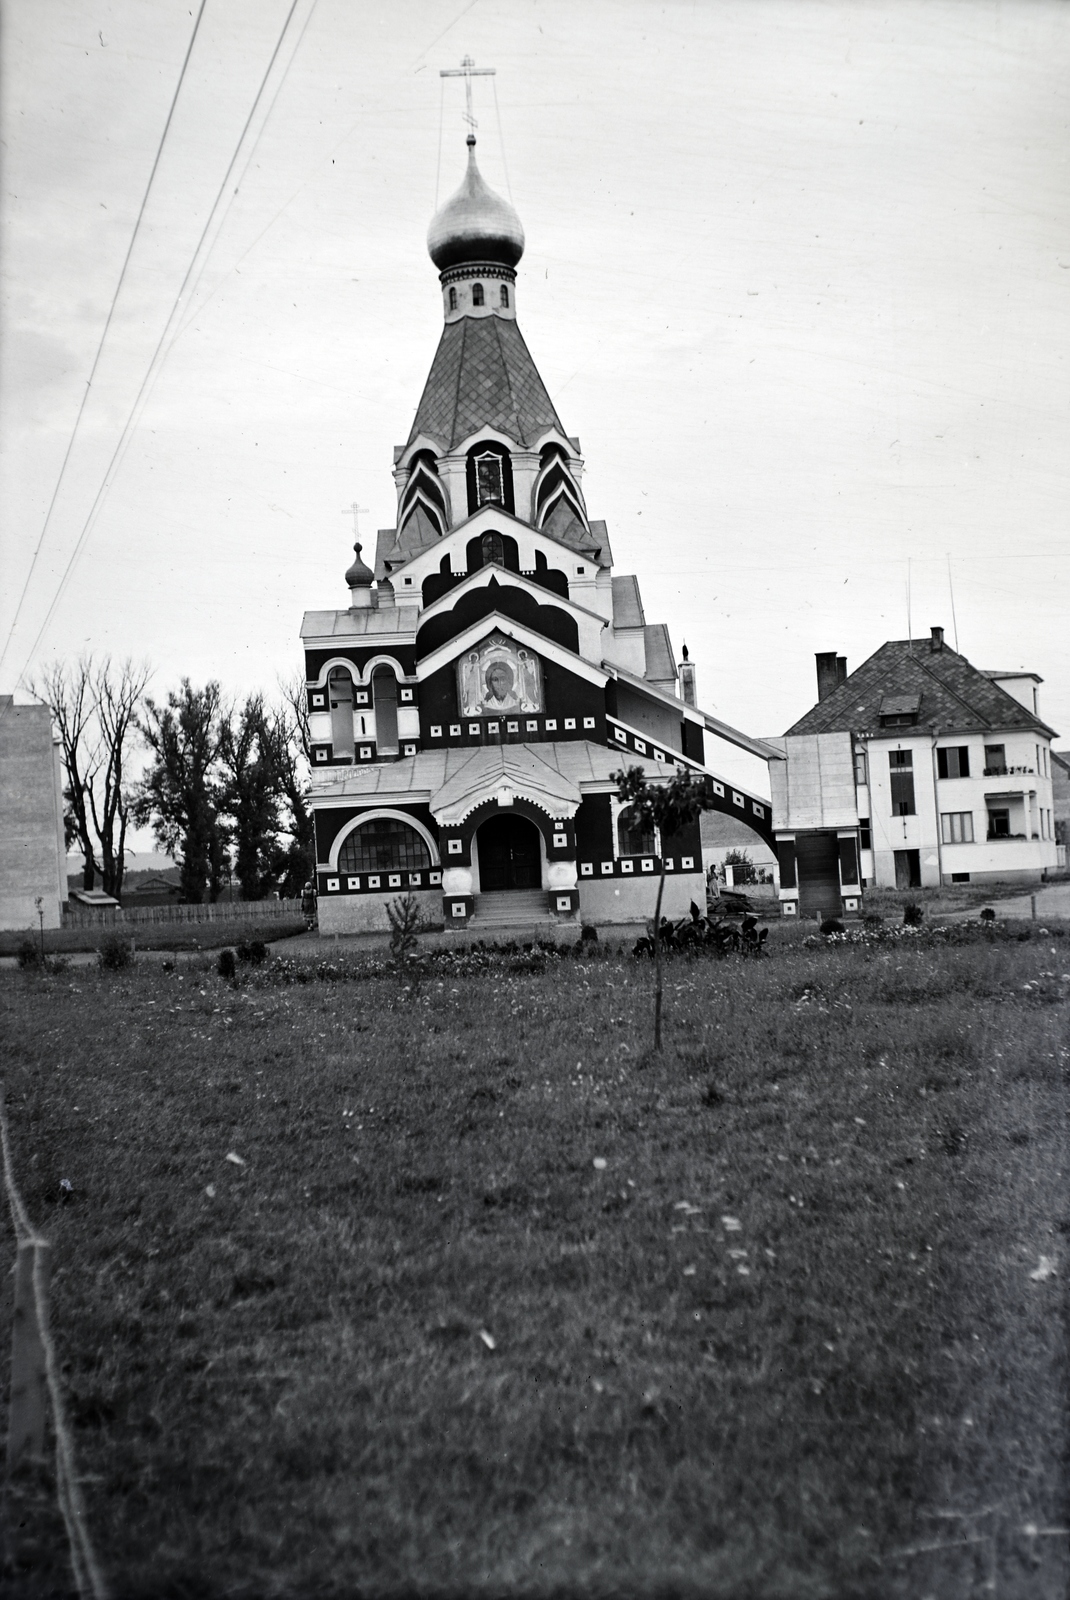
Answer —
359 656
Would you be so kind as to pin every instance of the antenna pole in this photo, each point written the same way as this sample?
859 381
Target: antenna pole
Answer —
910 628
951 586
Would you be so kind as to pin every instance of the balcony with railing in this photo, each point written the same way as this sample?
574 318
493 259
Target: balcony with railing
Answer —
1007 772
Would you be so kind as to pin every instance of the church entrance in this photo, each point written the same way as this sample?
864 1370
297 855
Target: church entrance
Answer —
509 856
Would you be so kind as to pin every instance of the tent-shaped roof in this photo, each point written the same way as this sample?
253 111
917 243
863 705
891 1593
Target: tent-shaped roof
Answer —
951 694
483 377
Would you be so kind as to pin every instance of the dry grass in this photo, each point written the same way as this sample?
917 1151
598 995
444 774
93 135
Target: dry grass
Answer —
283 1386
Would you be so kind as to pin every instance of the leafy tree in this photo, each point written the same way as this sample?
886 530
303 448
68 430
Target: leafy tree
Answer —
250 793
181 794
293 758
669 807
95 708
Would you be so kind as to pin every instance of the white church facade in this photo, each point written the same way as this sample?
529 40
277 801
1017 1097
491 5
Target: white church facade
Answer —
469 707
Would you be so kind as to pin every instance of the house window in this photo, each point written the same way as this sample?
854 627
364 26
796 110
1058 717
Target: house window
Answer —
861 775
865 837
632 838
901 762
953 762
505 297
383 845
453 299
956 827
995 760
999 824
490 487
477 294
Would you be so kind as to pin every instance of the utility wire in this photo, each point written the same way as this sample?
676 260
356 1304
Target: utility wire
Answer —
124 436
501 140
104 335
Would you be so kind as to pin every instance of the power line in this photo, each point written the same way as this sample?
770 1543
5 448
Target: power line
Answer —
127 426
104 335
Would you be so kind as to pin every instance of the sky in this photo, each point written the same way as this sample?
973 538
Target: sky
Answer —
797 275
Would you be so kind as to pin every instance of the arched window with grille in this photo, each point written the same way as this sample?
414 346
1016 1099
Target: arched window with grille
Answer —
340 694
453 299
477 294
384 844
632 838
493 549
504 300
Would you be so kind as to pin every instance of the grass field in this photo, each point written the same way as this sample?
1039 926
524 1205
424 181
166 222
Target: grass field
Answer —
494 1302
158 936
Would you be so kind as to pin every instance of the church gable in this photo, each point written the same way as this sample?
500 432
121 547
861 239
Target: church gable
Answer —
550 621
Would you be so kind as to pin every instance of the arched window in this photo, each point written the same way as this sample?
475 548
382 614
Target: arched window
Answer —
633 840
385 701
493 549
489 484
505 297
340 693
477 294
384 844
453 299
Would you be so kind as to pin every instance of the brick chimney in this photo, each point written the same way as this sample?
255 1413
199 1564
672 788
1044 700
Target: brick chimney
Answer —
936 643
828 672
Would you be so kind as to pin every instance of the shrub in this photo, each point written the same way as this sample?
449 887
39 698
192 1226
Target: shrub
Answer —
913 915
226 966
29 954
988 915
832 925
254 951
114 953
588 934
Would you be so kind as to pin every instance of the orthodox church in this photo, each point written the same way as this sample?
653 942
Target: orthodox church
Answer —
469 707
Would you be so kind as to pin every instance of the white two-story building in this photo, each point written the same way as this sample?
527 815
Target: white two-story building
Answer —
942 772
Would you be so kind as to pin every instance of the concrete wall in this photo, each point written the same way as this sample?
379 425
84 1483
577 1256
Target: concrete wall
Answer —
32 853
610 900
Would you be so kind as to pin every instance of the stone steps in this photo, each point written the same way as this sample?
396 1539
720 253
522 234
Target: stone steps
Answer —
505 908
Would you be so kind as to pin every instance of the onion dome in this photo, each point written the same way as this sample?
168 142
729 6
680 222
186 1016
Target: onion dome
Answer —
475 224
359 573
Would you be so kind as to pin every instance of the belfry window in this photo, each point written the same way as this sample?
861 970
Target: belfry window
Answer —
453 299
490 487
493 549
505 297
340 694
385 700
383 845
477 294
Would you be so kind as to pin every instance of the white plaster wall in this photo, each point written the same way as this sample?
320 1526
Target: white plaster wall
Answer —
815 786
605 900
366 913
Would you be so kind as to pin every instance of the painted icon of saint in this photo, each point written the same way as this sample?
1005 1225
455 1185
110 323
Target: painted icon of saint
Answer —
499 681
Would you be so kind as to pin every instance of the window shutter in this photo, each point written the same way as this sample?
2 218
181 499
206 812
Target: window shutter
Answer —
785 849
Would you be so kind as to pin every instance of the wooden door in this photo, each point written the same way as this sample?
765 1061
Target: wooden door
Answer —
509 855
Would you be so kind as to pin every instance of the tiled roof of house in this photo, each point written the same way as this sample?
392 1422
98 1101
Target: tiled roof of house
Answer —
483 376
954 695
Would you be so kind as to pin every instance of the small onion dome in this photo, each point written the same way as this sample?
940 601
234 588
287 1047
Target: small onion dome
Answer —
359 575
475 224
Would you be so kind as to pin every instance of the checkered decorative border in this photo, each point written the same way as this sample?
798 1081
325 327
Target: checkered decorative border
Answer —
637 866
379 882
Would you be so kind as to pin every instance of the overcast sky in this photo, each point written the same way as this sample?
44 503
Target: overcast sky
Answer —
796 275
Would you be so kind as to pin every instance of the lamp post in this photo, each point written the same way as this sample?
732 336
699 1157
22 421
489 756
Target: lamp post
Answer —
40 904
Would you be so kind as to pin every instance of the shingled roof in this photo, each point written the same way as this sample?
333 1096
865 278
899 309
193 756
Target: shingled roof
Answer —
955 696
483 376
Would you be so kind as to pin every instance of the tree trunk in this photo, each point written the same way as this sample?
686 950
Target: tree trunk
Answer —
657 959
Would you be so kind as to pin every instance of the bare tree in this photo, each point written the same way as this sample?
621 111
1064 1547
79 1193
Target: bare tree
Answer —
293 756
94 708
180 794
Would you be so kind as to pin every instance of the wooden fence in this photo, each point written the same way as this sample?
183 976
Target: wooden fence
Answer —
154 916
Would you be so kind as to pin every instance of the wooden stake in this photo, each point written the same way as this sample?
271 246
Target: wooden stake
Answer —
26 1417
